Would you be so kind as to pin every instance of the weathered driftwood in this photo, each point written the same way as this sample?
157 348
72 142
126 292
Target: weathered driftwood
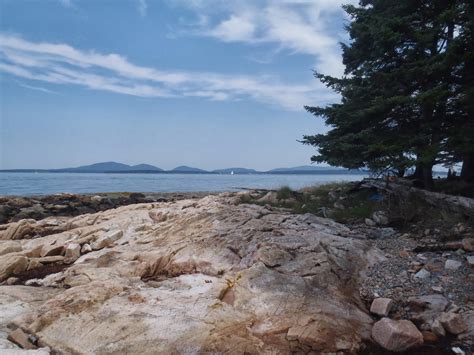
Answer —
403 188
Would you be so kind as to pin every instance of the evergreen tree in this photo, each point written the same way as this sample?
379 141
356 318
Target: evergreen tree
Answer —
400 100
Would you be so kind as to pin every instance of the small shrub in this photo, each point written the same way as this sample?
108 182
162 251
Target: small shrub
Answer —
284 193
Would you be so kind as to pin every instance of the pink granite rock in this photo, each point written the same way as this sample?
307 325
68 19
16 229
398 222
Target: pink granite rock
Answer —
396 335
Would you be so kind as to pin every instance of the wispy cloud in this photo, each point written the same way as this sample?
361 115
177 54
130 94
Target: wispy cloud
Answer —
36 88
297 26
62 64
142 7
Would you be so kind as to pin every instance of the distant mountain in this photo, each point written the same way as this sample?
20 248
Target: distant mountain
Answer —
187 169
235 170
111 166
147 167
114 167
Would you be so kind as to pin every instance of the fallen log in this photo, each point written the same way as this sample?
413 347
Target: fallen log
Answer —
403 188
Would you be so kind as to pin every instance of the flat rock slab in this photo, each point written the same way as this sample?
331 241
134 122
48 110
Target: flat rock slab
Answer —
208 276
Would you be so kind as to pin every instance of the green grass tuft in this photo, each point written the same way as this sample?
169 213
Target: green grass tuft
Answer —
284 193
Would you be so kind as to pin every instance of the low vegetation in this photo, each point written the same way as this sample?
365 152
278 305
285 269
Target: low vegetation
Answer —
330 200
349 203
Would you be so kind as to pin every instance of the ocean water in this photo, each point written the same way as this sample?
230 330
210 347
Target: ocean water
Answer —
25 184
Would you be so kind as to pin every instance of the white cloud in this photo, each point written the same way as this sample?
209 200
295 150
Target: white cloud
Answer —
142 7
234 29
298 26
66 3
62 64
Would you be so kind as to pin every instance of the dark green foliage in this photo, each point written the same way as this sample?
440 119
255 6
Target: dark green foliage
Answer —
407 92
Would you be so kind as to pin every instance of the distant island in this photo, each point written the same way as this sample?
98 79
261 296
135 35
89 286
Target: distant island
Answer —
114 167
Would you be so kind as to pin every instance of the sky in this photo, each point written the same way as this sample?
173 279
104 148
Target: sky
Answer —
205 83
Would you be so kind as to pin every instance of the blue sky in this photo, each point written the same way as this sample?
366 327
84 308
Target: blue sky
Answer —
204 83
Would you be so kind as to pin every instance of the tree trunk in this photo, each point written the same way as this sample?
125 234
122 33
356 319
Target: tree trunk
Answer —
467 171
424 174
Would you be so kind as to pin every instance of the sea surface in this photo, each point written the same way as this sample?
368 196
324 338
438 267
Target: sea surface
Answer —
25 184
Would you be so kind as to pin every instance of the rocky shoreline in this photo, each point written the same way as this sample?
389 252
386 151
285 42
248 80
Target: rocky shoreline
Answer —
190 273
15 208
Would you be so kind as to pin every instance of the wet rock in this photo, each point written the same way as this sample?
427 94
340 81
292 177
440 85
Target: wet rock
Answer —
96 199
36 211
396 335
136 197
5 212
381 306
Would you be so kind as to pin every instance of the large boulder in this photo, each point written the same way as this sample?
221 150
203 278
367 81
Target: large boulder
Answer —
396 335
